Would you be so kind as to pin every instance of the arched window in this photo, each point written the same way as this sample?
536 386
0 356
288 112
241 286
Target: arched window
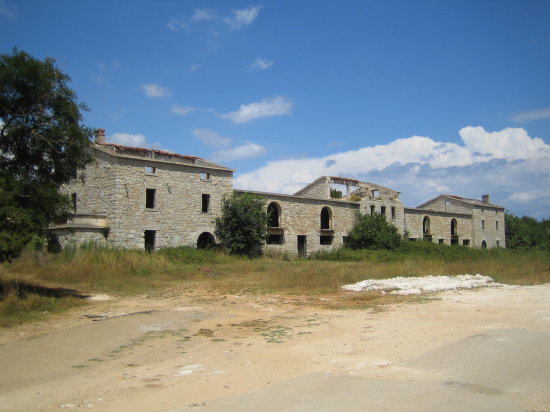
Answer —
484 245
426 225
326 216
274 213
206 240
454 231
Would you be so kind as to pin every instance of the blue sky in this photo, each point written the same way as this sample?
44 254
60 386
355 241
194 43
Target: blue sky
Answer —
425 97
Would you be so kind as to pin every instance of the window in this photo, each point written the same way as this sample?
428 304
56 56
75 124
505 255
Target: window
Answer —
372 209
150 201
205 176
441 241
483 224
496 224
325 240
273 213
150 170
466 242
383 210
74 200
484 245
205 203
325 218
426 225
275 239
454 227
498 243
393 212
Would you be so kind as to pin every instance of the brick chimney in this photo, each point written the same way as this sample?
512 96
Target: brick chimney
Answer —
100 136
485 198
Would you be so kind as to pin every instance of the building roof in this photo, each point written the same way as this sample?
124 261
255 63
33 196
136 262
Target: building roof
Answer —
118 150
465 200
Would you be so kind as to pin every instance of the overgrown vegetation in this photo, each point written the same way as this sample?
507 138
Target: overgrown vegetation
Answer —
374 232
242 227
527 233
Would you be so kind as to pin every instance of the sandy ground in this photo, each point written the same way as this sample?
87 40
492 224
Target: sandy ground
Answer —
486 349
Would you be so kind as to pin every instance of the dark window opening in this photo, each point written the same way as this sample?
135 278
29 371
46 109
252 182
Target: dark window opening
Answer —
302 245
150 202
383 210
345 241
498 243
372 209
454 240
483 224
454 227
205 176
496 224
426 225
484 245
275 239
149 236
74 199
466 242
441 241
206 241
205 203
393 213
273 213
150 170
326 240
325 218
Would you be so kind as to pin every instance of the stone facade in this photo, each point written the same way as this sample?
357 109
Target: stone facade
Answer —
141 198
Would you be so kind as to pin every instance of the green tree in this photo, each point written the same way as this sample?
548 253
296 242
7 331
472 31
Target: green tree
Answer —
42 146
242 227
374 232
526 233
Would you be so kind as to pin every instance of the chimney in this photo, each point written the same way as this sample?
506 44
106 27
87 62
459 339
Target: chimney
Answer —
485 198
100 136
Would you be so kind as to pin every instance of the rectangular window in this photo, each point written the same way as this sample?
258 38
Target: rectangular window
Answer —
466 242
498 243
372 209
393 212
205 176
74 200
150 170
483 224
441 241
326 240
383 210
205 203
150 201
496 225
275 239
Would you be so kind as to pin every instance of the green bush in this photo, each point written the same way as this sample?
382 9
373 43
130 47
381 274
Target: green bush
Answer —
374 232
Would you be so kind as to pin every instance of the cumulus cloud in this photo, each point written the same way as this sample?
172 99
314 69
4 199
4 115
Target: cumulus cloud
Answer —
245 151
155 91
242 18
509 164
523 117
260 64
182 110
212 139
128 139
273 106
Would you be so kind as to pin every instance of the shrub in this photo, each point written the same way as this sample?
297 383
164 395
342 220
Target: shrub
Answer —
374 232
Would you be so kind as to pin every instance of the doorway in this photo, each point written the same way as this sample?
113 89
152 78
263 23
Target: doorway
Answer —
302 245
149 237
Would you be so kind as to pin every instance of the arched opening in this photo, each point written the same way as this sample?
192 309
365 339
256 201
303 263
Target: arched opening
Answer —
326 216
454 232
484 244
206 240
274 214
426 225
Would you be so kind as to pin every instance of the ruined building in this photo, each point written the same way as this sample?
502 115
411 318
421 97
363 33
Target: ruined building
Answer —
145 199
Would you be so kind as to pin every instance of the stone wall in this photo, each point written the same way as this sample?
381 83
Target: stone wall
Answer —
440 226
319 189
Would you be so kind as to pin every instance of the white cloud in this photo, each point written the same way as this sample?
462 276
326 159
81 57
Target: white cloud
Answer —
267 107
535 114
245 151
241 18
203 15
127 139
154 90
211 138
509 164
194 67
182 110
260 64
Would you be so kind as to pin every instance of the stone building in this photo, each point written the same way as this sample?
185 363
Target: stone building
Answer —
145 199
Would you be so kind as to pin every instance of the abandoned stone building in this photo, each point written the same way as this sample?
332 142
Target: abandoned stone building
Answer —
145 199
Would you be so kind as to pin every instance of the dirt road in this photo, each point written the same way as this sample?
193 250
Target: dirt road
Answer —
485 349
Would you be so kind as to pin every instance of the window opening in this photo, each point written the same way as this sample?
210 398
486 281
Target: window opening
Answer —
275 239
302 245
74 200
273 213
150 170
205 203
466 242
326 240
498 243
204 176
483 224
345 241
383 210
149 237
496 224
441 241
325 218
372 209
454 227
393 212
484 245
150 201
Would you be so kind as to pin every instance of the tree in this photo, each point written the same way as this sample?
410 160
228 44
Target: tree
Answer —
374 232
242 227
42 146
526 233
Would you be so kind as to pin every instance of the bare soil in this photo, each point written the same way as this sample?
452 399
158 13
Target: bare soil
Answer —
188 349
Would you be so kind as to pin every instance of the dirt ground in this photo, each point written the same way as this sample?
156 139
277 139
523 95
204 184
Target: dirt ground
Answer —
186 350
